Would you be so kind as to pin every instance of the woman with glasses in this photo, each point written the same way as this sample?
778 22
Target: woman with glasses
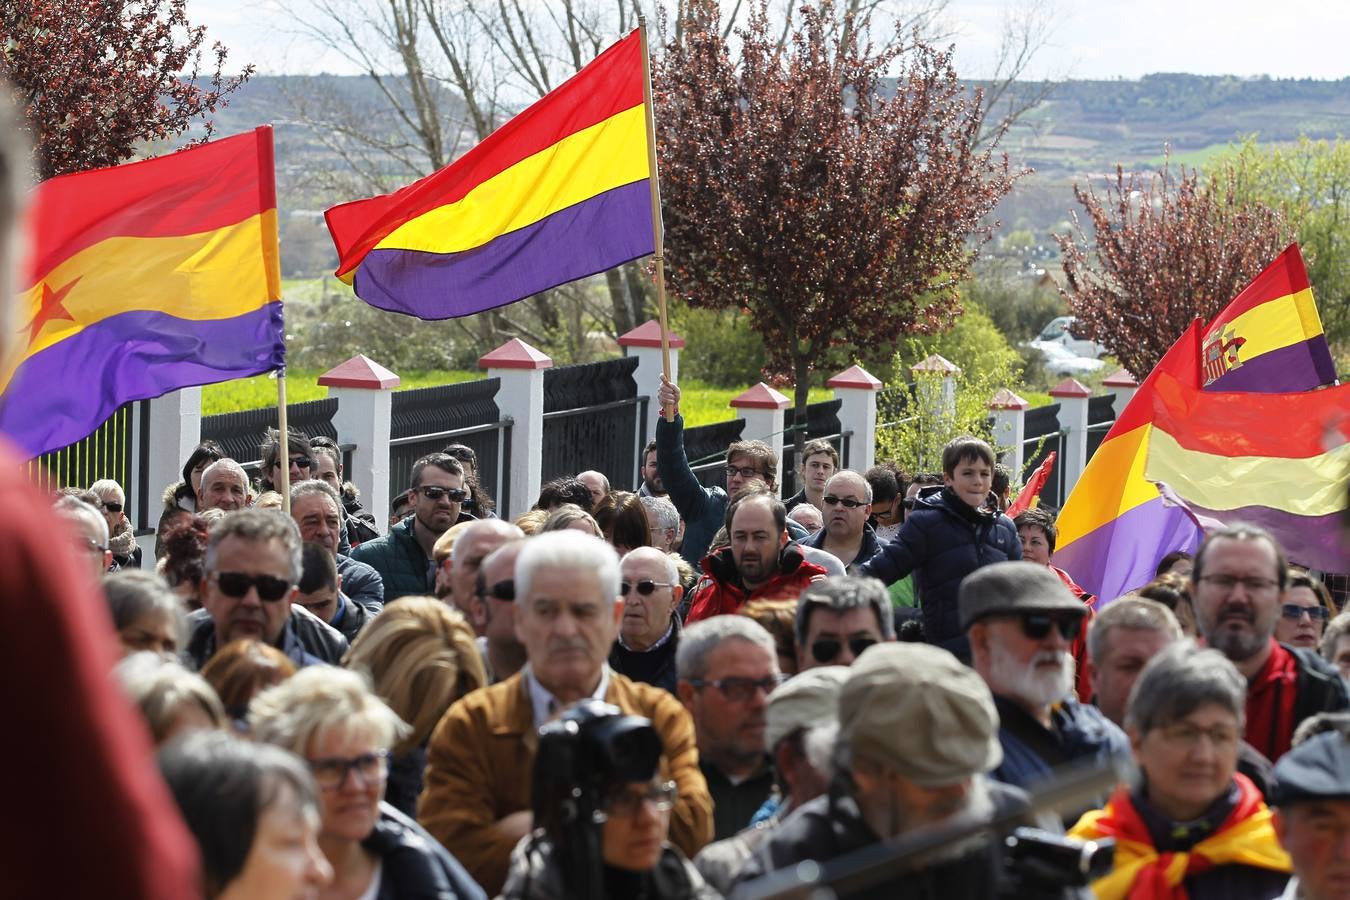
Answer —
331 720
601 814
1305 612
1194 827
420 656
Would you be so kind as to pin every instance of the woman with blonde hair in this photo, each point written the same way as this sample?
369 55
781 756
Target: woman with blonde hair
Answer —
420 656
331 720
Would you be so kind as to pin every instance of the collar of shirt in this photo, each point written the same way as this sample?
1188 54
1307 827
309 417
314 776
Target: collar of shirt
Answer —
546 706
670 629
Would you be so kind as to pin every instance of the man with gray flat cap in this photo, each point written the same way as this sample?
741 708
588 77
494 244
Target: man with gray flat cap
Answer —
1312 816
799 732
917 733
1021 620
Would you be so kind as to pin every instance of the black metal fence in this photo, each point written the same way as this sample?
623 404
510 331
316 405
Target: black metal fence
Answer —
427 419
1101 416
595 419
1041 437
822 421
112 451
705 446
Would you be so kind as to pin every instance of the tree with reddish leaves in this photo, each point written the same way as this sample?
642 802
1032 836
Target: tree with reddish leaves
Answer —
95 78
1162 251
798 187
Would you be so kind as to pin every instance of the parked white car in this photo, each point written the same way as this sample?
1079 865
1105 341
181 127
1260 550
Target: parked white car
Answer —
1064 353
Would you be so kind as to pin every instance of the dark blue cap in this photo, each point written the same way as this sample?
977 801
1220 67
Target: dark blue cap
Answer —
1317 769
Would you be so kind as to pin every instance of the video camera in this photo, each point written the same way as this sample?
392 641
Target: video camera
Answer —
592 749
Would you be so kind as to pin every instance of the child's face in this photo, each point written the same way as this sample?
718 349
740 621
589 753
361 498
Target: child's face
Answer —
971 480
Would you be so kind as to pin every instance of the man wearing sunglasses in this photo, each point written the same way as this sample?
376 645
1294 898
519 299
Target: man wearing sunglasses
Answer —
1238 584
253 566
1021 621
847 503
503 653
405 557
839 618
649 632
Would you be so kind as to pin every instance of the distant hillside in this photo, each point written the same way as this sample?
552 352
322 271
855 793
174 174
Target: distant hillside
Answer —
1085 128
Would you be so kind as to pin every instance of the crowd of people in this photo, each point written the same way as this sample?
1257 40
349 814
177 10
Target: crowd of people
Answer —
683 690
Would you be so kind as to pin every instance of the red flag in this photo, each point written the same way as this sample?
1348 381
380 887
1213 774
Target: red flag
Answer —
1032 488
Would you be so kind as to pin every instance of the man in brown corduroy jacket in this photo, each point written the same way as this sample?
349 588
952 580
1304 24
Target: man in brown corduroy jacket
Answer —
481 756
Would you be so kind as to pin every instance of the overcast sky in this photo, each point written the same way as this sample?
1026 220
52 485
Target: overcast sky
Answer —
1091 39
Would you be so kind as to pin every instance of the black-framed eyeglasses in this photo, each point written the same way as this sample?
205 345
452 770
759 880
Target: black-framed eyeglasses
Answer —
625 803
331 772
236 584
845 502
744 472
434 493
645 587
740 690
1296 612
826 650
112 507
1036 625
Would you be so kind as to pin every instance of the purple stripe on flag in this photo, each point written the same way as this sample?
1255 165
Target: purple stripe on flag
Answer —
63 393
1311 541
1122 554
1297 367
600 233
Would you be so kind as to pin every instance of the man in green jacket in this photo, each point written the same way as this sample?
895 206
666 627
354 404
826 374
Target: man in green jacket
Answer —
403 557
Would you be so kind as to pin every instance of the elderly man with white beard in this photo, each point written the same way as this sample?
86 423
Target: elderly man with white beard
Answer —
1021 621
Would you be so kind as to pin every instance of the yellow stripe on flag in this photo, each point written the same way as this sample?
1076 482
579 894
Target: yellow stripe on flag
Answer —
605 156
1102 494
1278 323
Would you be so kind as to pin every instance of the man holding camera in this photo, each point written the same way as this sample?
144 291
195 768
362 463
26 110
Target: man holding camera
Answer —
477 800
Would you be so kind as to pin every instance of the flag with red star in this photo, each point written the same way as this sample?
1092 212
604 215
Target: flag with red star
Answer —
144 278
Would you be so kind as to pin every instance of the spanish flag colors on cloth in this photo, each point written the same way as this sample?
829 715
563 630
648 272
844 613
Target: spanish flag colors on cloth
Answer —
559 192
1245 838
144 278
1116 525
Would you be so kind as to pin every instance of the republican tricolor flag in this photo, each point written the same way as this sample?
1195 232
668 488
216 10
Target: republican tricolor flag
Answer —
560 192
144 278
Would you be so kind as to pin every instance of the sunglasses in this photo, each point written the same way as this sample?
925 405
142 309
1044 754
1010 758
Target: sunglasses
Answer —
1036 625
301 462
236 584
826 650
503 590
644 587
112 507
433 493
1295 612
845 502
740 690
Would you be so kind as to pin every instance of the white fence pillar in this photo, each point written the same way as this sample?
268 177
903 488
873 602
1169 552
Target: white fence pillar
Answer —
1124 386
856 388
521 396
1009 413
365 393
644 342
1073 417
175 430
762 409
937 366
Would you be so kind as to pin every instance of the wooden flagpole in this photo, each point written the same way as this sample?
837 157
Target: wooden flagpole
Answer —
284 450
658 231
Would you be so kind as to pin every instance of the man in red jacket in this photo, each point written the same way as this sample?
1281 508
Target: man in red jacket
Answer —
759 563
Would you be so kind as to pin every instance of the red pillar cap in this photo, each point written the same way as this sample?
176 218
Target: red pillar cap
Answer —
937 365
1070 387
855 377
648 334
360 372
515 354
1005 399
761 396
1120 378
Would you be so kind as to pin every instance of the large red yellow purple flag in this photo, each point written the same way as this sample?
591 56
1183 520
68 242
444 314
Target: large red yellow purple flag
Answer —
144 278
1115 525
559 192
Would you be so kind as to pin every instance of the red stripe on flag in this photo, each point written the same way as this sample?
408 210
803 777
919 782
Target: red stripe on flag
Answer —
1286 275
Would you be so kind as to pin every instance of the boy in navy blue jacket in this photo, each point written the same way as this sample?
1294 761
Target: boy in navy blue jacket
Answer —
952 531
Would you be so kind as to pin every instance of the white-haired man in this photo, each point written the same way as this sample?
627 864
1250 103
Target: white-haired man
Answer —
477 796
1021 619
225 486
649 633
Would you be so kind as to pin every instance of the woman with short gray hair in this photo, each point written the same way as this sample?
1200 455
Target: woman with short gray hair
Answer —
330 718
1194 827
